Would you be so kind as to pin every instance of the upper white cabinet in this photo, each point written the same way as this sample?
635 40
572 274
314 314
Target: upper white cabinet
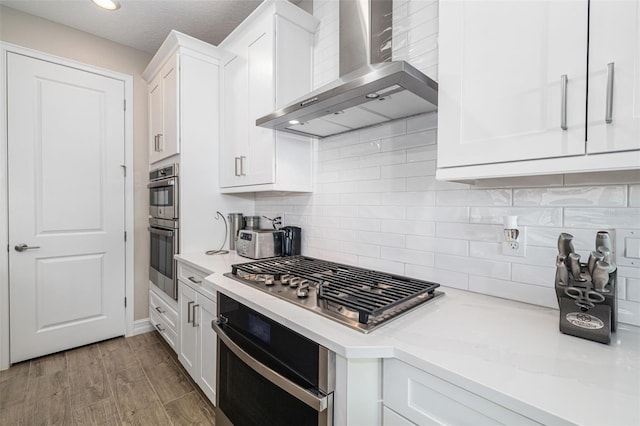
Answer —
614 76
268 66
163 111
513 87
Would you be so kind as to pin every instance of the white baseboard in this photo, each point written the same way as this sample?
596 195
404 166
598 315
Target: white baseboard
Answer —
142 326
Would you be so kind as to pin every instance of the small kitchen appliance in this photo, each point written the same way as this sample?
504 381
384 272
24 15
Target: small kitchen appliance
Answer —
236 223
587 291
292 240
260 244
356 297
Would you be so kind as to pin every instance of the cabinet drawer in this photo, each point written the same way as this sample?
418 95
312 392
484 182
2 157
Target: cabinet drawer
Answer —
163 311
167 333
427 400
391 418
191 275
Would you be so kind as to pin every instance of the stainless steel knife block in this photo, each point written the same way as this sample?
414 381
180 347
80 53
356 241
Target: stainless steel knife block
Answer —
588 319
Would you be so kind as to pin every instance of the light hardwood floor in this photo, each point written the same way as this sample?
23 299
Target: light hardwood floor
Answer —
137 380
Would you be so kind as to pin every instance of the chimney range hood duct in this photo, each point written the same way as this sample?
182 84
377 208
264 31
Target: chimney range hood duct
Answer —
371 89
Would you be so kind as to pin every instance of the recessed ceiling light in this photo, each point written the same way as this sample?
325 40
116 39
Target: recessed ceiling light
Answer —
107 4
369 95
294 122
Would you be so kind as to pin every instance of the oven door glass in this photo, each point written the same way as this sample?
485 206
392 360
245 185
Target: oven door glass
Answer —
247 398
163 198
162 248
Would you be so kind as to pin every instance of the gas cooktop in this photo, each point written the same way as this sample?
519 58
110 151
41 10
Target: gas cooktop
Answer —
359 298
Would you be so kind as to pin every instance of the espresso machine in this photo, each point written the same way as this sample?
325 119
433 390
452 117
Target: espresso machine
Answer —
587 291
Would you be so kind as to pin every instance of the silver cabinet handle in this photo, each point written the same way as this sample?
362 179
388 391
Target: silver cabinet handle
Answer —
160 311
193 280
317 403
160 329
609 114
23 247
160 147
189 312
563 101
242 158
194 315
236 172
155 143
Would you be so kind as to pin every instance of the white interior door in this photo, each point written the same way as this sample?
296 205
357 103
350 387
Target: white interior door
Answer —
66 204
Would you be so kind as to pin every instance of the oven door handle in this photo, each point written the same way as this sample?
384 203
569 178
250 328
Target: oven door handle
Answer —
160 231
318 404
160 183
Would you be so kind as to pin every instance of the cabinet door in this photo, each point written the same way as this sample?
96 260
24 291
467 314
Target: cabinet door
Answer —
170 139
500 89
234 118
259 163
206 379
614 76
155 118
187 333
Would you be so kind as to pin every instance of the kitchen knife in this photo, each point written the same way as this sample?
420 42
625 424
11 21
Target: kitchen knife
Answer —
562 274
594 257
606 257
574 262
600 276
565 244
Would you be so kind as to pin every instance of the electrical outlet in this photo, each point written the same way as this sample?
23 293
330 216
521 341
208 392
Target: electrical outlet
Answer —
516 248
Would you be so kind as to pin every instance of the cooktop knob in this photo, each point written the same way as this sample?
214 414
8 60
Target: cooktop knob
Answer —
303 291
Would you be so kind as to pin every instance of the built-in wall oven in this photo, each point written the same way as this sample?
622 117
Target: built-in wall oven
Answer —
164 228
267 374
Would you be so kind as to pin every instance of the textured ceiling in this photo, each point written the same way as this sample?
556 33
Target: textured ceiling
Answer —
144 24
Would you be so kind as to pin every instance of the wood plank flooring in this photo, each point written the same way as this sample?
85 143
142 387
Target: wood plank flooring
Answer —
132 381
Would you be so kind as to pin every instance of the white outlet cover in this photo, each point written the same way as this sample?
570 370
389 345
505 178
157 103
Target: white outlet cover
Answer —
627 247
521 250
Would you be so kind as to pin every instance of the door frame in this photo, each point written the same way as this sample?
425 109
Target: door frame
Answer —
5 49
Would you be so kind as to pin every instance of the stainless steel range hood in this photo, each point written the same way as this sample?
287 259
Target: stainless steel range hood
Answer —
371 89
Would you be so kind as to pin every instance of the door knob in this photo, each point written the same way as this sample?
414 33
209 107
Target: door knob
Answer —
23 247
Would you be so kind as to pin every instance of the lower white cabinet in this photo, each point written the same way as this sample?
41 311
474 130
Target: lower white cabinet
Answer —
196 338
164 316
425 399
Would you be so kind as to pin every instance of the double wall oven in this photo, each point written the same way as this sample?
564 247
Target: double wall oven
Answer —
269 374
164 228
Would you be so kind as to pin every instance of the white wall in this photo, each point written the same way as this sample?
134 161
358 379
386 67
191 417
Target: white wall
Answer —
377 203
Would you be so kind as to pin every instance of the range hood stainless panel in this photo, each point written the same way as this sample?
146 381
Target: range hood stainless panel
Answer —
409 92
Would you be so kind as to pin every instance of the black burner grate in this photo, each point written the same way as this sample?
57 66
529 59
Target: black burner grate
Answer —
365 291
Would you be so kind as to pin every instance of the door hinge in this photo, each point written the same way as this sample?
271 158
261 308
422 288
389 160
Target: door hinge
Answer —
124 102
125 236
125 302
124 169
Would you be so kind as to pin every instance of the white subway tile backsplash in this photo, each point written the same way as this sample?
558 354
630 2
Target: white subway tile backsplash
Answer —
598 218
437 245
421 168
413 257
469 265
483 197
526 216
408 227
603 196
511 290
472 232
378 205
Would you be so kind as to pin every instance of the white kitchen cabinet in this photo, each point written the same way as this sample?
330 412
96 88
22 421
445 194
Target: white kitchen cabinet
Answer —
513 88
428 400
163 111
269 65
614 55
163 315
197 340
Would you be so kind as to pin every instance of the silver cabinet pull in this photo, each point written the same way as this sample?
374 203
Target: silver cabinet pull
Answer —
242 158
160 147
160 329
23 247
155 143
237 173
189 312
160 311
609 114
194 315
563 101
193 280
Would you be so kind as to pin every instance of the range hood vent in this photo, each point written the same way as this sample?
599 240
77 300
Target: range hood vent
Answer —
367 93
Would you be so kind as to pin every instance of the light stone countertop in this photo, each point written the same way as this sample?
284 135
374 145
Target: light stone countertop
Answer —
508 352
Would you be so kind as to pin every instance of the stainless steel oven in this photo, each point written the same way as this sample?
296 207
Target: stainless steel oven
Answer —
267 374
163 192
164 245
